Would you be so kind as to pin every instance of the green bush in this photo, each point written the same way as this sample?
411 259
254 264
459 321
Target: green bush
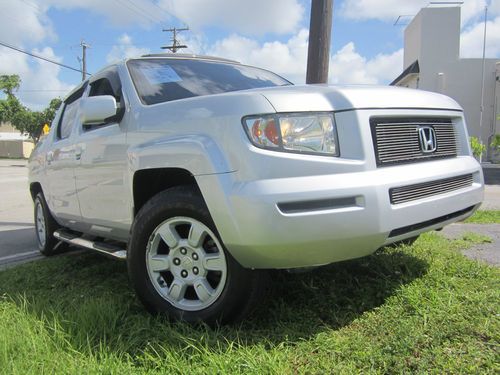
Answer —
495 142
477 147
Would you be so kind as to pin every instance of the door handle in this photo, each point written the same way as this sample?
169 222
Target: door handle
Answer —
78 154
49 158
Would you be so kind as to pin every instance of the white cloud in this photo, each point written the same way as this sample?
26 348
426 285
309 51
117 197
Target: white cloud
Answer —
389 10
40 82
20 23
471 40
348 66
125 49
255 17
288 59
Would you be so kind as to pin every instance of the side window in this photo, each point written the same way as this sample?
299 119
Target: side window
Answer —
69 113
107 83
101 87
68 119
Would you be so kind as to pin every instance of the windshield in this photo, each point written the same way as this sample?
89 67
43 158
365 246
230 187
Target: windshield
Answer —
162 80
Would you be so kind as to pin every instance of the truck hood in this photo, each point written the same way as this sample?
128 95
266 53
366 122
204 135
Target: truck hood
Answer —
337 98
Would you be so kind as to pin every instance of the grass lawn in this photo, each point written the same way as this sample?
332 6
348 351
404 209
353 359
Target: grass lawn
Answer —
423 308
485 217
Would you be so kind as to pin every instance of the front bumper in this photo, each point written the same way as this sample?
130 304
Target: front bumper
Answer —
261 231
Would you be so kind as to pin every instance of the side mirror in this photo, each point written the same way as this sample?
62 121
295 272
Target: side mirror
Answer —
96 109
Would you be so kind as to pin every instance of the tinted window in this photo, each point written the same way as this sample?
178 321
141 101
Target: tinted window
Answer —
163 80
101 87
107 83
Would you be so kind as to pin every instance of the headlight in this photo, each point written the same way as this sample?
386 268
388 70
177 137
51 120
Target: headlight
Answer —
312 133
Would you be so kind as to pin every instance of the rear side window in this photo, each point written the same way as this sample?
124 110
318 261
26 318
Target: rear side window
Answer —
70 111
163 80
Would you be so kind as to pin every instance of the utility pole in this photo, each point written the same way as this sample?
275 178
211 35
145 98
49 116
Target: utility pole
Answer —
175 42
320 31
482 83
84 59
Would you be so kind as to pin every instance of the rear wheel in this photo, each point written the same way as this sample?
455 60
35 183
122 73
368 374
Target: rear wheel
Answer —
45 226
179 266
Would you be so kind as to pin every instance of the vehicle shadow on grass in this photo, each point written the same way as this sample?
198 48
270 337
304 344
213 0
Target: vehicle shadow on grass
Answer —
91 299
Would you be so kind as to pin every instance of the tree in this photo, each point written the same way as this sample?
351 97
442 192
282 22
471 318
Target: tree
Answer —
9 84
22 118
10 105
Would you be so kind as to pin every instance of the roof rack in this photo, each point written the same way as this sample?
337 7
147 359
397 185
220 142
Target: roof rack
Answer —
189 56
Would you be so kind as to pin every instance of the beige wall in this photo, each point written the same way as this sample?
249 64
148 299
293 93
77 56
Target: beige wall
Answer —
16 149
6 127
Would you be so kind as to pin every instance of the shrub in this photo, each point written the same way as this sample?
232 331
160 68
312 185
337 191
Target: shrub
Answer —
495 142
477 147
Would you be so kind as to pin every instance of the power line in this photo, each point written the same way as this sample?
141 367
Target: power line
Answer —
145 11
34 6
163 10
138 12
40 57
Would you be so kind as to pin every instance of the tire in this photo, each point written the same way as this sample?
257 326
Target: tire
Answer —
179 266
45 226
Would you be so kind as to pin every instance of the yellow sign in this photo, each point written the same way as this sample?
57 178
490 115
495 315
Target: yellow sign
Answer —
46 129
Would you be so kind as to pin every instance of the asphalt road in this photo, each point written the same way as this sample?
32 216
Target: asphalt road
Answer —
17 233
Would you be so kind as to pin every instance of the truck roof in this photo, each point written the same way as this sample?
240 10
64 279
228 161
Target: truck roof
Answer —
189 57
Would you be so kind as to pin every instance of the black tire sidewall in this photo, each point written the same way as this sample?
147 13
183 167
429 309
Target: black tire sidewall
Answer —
50 226
162 207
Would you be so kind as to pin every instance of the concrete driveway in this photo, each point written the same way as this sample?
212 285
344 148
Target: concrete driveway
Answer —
17 234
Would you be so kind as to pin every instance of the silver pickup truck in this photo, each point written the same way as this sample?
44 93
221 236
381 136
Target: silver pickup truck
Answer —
203 173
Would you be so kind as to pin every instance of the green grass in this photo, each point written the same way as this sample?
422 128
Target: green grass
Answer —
485 217
417 309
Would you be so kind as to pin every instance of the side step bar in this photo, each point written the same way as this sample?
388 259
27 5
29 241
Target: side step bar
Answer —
101 247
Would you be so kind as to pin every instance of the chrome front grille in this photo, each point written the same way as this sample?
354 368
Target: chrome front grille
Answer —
427 189
397 141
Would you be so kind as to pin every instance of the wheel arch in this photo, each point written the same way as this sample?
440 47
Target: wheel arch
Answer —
166 162
146 183
35 188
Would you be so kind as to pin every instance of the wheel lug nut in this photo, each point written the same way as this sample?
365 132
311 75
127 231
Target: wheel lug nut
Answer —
195 256
184 273
195 270
177 261
183 251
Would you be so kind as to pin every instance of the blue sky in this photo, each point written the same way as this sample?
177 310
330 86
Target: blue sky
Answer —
366 46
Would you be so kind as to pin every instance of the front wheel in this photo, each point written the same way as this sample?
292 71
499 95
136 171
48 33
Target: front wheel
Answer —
179 266
45 226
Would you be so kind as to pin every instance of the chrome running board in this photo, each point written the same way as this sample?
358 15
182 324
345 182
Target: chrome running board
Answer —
99 246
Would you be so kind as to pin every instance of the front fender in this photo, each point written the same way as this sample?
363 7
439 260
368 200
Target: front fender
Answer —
196 153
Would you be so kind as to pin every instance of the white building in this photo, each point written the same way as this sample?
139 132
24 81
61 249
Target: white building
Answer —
432 62
13 144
